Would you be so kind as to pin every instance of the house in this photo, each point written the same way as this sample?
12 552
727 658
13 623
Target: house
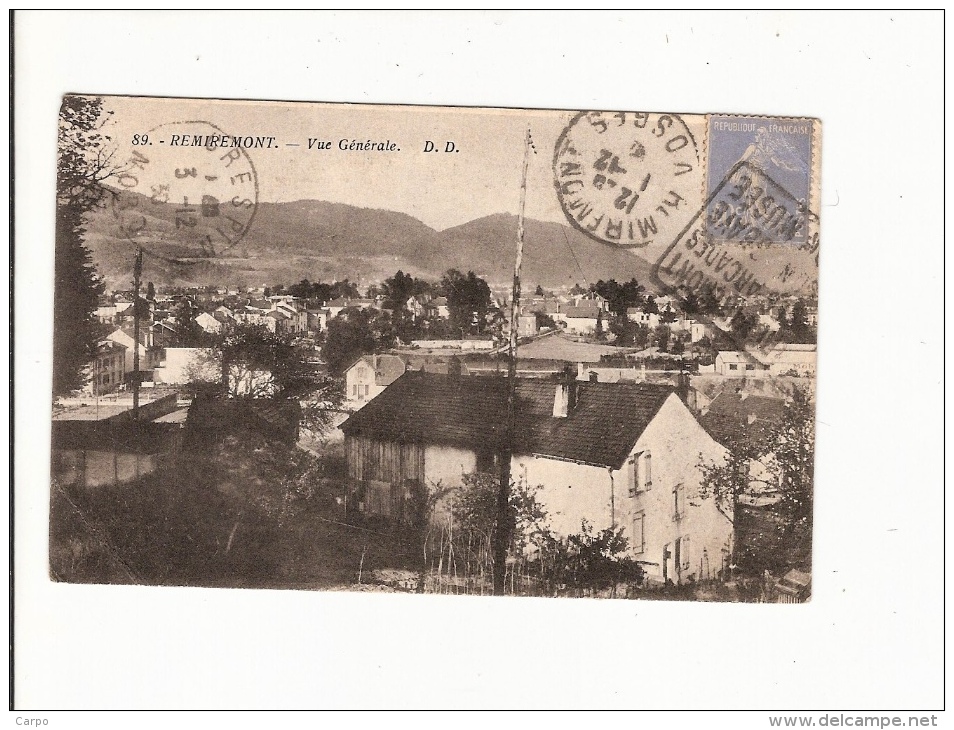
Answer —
786 359
209 323
369 375
148 356
437 307
738 364
336 306
698 330
107 371
744 418
164 334
180 365
620 455
582 318
317 320
527 325
636 314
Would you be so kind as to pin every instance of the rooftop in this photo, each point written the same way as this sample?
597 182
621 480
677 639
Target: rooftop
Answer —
423 407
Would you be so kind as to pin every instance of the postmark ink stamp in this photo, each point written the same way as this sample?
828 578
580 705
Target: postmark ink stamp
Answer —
626 178
187 190
744 241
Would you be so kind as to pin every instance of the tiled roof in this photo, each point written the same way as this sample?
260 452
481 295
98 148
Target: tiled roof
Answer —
732 417
423 407
585 309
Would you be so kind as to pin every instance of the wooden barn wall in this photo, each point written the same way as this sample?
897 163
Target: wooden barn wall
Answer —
383 461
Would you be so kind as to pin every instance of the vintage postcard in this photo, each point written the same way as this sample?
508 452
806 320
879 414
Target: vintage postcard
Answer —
434 349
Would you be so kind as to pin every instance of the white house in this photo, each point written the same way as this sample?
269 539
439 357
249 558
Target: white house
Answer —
635 314
582 318
698 330
622 455
368 376
180 365
734 364
208 323
789 359
148 356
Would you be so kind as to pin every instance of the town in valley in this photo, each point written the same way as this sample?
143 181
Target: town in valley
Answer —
363 421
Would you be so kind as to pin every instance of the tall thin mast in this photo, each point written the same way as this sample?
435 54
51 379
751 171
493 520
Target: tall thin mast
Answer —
137 275
504 529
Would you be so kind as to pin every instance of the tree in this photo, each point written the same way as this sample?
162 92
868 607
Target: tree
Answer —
600 333
150 291
188 331
782 318
355 332
468 299
690 303
397 290
742 324
662 334
539 291
781 456
793 448
255 363
83 166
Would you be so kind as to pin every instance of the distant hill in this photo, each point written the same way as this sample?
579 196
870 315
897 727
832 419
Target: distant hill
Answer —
324 241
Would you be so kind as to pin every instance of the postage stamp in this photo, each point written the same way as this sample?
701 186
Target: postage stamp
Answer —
778 155
401 348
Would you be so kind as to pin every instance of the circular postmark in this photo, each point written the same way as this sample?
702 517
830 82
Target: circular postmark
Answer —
186 190
627 178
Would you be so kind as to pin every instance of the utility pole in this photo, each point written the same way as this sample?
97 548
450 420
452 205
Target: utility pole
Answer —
137 276
502 534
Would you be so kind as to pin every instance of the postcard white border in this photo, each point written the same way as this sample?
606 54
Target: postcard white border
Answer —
872 636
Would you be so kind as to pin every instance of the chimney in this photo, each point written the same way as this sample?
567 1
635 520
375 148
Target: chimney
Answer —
564 399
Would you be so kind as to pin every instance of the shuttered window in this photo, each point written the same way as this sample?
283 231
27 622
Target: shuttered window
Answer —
639 532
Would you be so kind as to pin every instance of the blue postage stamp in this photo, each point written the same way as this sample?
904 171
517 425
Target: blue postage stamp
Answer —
763 159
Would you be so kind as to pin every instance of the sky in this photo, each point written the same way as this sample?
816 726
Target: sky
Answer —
442 189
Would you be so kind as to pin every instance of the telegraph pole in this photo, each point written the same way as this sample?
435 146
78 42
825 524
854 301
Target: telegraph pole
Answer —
502 534
137 276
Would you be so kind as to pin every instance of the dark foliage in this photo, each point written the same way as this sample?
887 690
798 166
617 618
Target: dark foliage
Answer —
82 167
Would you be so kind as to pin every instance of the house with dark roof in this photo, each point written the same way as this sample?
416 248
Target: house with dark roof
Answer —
624 455
750 420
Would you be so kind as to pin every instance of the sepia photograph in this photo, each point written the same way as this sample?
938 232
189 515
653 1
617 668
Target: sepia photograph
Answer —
477 360
431 349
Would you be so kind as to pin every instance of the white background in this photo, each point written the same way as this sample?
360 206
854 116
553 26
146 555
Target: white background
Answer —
871 639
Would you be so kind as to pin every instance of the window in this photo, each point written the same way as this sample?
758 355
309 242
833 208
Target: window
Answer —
678 501
750 366
733 366
640 478
639 532
686 561
354 390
